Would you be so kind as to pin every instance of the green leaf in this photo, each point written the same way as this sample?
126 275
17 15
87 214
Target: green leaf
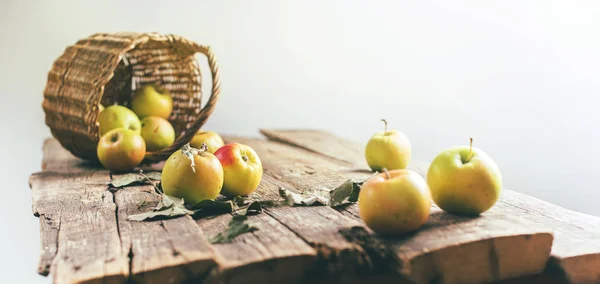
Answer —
346 192
254 208
292 198
168 201
168 206
342 193
214 206
355 191
240 200
237 226
169 212
131 179
154 175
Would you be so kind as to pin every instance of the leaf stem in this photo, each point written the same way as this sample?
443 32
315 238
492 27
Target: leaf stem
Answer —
150 181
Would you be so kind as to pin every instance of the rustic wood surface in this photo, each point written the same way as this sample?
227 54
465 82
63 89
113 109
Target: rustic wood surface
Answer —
86 237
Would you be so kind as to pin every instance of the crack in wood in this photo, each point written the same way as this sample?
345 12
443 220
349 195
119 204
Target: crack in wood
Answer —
494 262
334 263
129 278
116 216
130 257
379 258
48 254
189 275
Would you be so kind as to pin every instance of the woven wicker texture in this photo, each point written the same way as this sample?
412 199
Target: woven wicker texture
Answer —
108 68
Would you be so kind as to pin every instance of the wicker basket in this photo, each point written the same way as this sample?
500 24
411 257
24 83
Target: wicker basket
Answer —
108 68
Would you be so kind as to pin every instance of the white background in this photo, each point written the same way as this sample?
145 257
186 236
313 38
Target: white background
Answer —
519 76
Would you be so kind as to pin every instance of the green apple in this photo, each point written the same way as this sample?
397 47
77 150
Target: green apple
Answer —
464 180
157 132
389 149
152 100
117 116
203 181
121 149
394 203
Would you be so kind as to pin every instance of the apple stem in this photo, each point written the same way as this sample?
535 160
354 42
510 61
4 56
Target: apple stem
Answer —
203 148
387 173
470 149
385 125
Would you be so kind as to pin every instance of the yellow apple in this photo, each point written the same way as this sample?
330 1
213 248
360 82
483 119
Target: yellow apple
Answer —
117 116
121 150
389 149
100 108
394 203
152 100
242 169
157 132
202 182
464 180
212 140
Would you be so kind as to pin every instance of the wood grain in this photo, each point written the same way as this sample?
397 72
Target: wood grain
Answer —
58 159
320 142
85 230
273 254
162 251
576 249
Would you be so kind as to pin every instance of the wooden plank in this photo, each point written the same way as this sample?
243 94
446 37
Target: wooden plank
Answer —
320 142
520 239
576 249
156 252
496 246
326 241
271 254
87 239
162 251
176 251
58 159
338 257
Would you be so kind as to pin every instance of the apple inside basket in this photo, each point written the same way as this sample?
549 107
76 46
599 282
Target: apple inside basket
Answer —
108 68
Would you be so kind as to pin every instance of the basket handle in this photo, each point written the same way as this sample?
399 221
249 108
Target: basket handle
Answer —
204 113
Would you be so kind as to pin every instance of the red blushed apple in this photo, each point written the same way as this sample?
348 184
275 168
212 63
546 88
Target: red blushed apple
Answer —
242 169
121 149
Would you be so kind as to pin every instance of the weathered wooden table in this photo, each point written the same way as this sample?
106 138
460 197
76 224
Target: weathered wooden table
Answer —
86 237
